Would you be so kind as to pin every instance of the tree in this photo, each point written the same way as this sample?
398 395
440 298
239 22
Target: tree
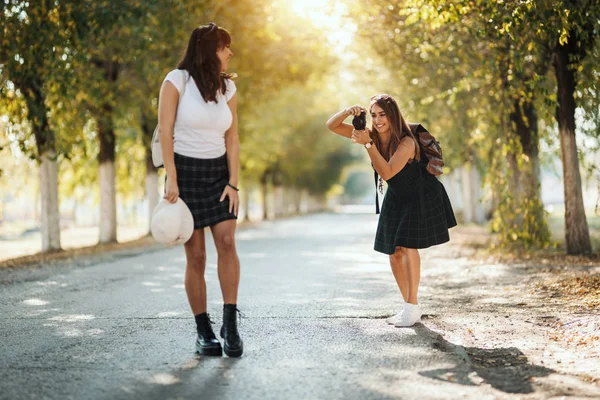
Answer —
167 26
33 58
521 39
567 33
459 78
577 42
114 33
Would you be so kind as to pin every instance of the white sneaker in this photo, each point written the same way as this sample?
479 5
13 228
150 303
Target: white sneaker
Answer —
410 316
395 318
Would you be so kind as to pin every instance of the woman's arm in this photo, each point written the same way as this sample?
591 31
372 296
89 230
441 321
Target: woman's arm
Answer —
387 169
232 144
167 111
336 122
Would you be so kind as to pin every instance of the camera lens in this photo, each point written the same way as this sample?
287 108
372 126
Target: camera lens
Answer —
360 122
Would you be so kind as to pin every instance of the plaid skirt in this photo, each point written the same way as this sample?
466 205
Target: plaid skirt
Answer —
416 212
201 183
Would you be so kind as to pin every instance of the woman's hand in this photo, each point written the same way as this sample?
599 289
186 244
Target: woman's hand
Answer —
336 123
171 190
234 199
354 110
361 137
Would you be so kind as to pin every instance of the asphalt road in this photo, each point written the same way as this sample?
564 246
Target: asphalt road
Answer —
314 295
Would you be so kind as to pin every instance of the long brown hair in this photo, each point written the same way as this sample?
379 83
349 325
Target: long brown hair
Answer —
201 60
398 127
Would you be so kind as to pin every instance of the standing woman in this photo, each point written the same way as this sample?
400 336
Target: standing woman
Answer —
416 211
200 147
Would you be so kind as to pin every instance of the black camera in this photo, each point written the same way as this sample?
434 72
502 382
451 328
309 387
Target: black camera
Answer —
360 121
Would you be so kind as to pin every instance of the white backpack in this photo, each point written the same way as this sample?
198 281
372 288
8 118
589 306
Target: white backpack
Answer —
157 158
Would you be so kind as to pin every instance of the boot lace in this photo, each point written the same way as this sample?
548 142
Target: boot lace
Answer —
206 329
231 327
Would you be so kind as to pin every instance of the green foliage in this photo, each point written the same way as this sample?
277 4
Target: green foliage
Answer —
313 159
34 42
519 221
101 64
479 72
281 64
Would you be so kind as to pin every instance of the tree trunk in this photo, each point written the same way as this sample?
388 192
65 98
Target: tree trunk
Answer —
297 201
49 200
106 165
265 194
527 192
106 157
467 193
471 193
278 201
246 204
514 181
478 210
577 237
527 131
46 148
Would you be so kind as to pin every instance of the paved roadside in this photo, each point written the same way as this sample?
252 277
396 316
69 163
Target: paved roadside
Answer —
314 295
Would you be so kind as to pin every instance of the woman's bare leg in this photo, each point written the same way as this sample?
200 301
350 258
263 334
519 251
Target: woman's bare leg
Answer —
229 276
413 273
195 285
397 262
228 262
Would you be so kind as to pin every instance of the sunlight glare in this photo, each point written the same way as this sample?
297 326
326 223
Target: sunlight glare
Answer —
327 13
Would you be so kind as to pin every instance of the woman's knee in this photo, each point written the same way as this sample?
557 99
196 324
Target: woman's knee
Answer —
396 258
400 251
225 243
196 259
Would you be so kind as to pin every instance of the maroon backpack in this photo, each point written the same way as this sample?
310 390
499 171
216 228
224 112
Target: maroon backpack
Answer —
431 152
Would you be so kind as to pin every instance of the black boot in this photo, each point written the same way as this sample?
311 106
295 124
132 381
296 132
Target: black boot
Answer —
207 343
234 347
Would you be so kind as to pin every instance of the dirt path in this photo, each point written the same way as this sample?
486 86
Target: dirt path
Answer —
516 322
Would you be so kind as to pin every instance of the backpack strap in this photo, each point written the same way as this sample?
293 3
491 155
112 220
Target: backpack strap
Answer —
376 192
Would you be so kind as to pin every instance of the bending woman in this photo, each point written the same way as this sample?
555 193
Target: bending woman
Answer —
416 211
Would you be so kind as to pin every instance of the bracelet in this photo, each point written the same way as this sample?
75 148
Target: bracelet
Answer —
233 187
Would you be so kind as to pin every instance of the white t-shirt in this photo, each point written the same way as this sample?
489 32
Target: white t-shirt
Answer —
200 126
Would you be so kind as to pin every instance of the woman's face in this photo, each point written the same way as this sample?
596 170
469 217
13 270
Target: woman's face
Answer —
380 119
224 55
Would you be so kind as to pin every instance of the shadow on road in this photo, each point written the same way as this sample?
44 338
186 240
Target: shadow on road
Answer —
208 377
505 369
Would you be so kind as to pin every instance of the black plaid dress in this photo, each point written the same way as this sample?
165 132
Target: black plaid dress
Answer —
416 212
201 183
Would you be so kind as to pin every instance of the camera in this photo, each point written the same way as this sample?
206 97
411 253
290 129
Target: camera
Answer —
360 122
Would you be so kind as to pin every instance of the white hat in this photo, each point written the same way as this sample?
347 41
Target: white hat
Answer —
172 223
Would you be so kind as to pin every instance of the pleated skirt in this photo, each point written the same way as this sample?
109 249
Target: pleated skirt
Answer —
416 212
201 183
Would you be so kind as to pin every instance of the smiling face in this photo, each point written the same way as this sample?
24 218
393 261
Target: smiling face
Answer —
380 119
224 54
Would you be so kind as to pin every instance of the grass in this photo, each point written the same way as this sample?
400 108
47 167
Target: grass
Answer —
556 224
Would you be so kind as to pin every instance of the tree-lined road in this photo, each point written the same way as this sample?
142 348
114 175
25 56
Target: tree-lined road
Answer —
314 295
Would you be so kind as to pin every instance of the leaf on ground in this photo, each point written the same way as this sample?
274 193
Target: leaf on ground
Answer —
584 287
